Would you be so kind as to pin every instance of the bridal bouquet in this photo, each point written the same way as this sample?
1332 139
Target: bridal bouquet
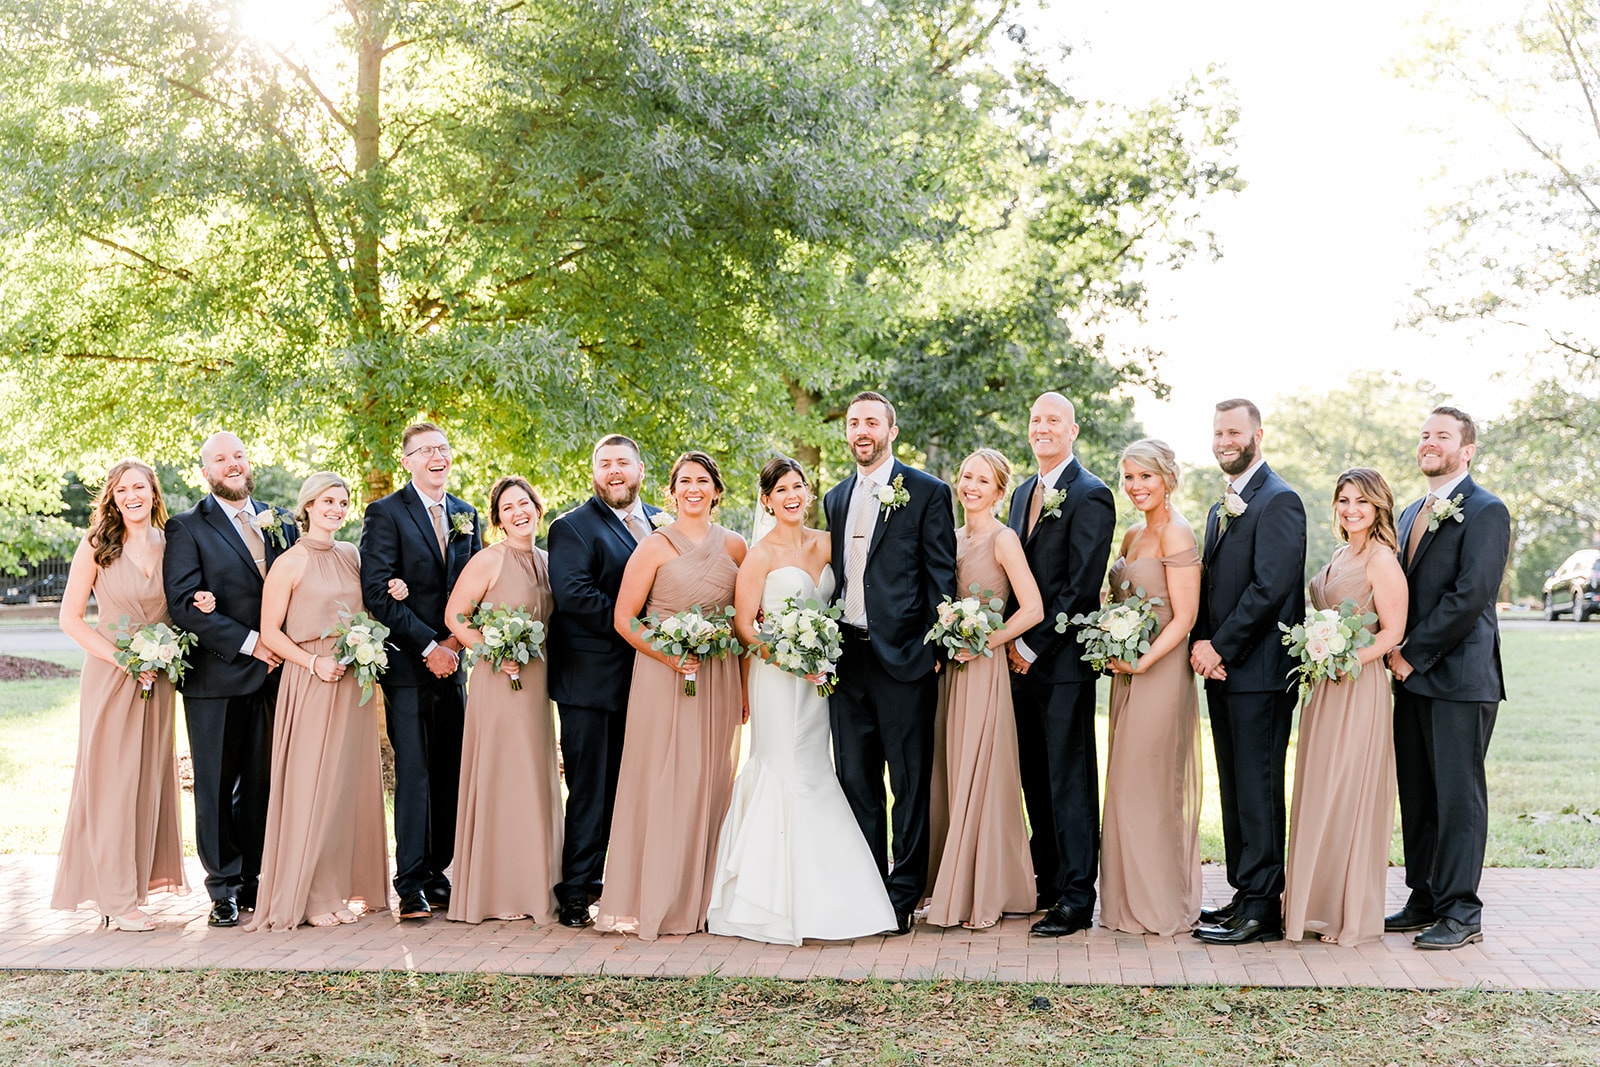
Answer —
1326 643
706 633
510 635
1117 631
803 639
155 646
360 640
965 625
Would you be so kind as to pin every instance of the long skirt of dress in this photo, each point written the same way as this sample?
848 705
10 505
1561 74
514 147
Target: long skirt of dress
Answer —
1343 811
985 867
1150 851
121 841
674 787
325 836
508 815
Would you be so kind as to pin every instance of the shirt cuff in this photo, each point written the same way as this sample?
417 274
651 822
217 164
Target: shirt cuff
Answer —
429 650
249 646
1024 651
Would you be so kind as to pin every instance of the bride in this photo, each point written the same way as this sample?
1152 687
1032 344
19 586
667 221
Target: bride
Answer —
791 861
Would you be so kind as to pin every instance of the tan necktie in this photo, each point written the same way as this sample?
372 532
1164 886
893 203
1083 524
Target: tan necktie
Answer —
636 527
253 541
1419 526
1035 505
855 553
437 511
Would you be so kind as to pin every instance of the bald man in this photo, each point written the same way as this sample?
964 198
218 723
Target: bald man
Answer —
231 686
1052 690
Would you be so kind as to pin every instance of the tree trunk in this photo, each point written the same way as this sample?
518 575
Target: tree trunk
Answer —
367 218
809 455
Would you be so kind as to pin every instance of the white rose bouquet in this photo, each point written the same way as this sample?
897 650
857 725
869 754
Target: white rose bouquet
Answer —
706 633
803 638
1326 643
360 641
1117 631
965 625
510 635
154 646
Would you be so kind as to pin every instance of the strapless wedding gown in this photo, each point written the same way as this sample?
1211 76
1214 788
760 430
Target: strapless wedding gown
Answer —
791 861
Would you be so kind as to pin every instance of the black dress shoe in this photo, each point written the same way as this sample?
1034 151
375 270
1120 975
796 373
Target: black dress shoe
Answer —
575 913
902 924
1239 931
414 905
224 912
1216 916
246 901
438 896
1062 921
1408 919
1448 933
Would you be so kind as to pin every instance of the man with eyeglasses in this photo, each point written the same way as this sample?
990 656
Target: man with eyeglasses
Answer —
424 536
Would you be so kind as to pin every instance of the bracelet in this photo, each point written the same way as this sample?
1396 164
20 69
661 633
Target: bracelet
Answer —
312 667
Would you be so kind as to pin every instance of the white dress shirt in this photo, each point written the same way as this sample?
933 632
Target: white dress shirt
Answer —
1049 478
247 508
868 482
429 505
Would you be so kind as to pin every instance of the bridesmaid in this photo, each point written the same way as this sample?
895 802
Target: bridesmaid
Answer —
1344 771
121 841
985 867
324 857
508 812
1150 836
679 751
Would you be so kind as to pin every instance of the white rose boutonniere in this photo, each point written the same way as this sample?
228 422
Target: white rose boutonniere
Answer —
1233 506
893 496
270 524
461 524
1050 506
1449 509
660 519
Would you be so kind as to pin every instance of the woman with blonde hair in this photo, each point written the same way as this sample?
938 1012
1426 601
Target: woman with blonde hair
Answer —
121 841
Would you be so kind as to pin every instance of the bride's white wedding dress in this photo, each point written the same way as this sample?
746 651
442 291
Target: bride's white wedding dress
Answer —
791 861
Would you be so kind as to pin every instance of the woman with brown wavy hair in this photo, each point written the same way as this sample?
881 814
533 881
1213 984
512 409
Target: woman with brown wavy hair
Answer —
1344 771
121 841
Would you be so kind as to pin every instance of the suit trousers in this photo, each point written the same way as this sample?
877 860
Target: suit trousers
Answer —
230 746
1439 748
425 724
1060 766
1250 732
878 720
591 759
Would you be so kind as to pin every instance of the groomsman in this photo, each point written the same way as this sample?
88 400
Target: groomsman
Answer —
230 691
591 667
424 536
893 530
1253 579
1447 684
1065 517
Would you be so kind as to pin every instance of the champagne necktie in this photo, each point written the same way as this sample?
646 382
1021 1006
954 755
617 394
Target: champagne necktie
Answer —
437 511
855 553
635 527
1035 505
253 541
1419 526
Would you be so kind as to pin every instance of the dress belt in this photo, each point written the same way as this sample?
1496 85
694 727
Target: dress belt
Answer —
854 633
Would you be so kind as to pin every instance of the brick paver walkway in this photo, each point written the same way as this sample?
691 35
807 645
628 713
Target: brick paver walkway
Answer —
1542 932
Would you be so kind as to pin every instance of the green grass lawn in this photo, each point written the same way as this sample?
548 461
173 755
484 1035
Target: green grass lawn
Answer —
1545 757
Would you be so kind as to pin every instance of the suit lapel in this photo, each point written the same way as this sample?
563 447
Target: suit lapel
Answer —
273 551
1017 517
881 522
1464 489
1247 494
218 518
609 520
1213 535
419 514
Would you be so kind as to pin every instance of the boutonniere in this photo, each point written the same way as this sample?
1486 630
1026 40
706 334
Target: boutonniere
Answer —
660 519
1450 509
1233 506
893 495
1050 505
461 524
270 524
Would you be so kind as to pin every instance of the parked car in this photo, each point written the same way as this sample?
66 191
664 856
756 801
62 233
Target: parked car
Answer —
1574 587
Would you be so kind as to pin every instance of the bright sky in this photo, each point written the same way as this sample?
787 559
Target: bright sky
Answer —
1322 251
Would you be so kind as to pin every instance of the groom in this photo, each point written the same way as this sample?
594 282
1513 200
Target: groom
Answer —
1447 684
893 528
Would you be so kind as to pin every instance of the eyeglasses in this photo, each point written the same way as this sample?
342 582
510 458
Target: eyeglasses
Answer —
442 451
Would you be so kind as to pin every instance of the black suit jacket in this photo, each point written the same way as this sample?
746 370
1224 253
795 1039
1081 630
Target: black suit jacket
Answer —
591 666
911 567
1253 579
1452 635
1067 555
397 541
206 551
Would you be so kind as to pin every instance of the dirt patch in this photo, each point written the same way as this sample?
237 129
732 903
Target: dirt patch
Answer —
24 669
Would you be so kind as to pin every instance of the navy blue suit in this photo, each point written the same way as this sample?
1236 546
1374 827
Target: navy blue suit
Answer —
1054 701
424 714
883 708
1444 712
591 670
228 695
1253 579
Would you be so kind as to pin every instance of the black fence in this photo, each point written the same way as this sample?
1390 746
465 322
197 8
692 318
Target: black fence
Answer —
42 581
